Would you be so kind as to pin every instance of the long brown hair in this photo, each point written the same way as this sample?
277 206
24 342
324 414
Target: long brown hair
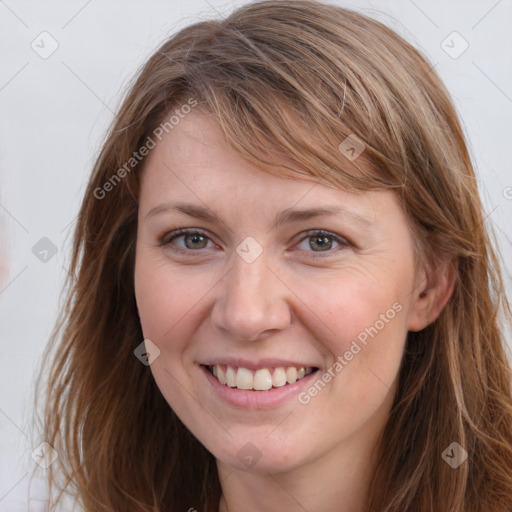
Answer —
287 82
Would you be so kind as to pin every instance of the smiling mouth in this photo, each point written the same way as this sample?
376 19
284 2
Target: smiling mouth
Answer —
262 379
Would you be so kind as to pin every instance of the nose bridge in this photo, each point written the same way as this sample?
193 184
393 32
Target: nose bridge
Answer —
252 300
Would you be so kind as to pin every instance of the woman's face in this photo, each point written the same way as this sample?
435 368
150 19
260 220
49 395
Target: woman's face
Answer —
256 295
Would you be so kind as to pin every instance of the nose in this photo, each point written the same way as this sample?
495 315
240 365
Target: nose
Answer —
252 301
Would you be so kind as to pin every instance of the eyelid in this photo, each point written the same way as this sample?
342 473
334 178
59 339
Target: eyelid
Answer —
167 238
334 252
342 241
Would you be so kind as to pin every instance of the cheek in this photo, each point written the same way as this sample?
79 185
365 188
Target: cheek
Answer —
356 305
164 298
167 301
364 314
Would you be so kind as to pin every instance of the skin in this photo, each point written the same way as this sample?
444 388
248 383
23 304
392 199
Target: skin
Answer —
286 304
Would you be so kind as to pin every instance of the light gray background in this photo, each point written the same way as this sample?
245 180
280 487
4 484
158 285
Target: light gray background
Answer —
55 111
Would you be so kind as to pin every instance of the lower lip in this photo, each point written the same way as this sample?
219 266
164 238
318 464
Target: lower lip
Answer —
256 399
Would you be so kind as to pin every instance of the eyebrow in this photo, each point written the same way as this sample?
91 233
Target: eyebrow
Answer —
289 215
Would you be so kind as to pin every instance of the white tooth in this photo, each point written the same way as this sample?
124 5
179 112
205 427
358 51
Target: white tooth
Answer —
262 380
291 374
214 370
231 377
301 372
279 377
244 378
220 374
308 371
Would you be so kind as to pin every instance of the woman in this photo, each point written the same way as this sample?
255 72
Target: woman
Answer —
210 358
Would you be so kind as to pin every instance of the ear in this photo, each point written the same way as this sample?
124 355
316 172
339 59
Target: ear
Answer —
431 295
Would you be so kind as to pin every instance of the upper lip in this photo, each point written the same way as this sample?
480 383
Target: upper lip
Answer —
256 364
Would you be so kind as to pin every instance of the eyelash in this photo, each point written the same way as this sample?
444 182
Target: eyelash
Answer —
173 235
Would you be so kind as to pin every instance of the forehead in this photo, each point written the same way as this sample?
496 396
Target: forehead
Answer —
194 163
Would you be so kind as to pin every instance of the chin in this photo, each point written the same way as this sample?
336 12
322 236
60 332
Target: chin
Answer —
260 454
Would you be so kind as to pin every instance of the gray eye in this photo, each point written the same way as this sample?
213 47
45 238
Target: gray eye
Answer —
193 241
323 243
